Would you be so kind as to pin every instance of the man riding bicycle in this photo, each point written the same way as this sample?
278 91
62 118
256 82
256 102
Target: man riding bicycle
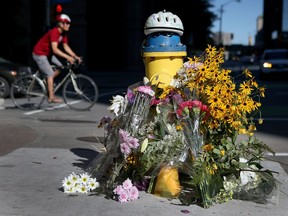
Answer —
46 50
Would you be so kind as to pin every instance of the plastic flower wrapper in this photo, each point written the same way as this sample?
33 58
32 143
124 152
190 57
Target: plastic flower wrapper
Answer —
140 108
191 113
253 184
168 184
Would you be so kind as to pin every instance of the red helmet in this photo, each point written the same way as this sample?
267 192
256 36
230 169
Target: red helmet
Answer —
63 18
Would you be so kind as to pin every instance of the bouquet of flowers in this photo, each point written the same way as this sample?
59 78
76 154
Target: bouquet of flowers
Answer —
182 140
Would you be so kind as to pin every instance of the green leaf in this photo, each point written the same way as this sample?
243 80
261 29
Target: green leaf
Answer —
144 145
216 151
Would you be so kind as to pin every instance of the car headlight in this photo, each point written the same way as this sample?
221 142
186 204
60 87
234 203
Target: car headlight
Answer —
267 65
13 73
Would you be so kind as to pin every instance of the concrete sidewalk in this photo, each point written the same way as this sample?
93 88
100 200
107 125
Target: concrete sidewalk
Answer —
31 176
31 185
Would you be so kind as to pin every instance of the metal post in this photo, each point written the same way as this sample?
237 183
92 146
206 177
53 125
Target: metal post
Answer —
48 14
220 26
220 19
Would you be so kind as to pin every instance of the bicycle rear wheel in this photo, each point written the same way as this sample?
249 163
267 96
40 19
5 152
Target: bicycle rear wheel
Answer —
81 94
28 92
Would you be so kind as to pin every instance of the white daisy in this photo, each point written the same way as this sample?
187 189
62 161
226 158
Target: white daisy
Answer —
93 184
84 178
67 184
81 188
74 178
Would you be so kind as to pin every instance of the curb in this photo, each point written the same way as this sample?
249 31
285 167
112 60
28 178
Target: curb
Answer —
2 103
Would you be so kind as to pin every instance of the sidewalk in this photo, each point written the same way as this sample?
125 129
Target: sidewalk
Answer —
31 176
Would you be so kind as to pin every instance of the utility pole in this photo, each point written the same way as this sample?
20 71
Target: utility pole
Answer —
48 14
220 18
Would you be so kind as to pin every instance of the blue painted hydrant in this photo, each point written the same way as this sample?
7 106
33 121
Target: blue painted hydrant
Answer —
162 50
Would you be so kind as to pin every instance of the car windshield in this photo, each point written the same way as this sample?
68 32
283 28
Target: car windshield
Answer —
276 55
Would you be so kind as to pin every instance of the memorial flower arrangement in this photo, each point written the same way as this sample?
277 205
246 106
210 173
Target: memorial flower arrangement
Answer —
192 140
79 183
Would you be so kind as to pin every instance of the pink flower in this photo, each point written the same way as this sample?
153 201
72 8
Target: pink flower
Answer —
127 184
146 90
126 192
127 142
185 106
118 190
192 65
133 193
123 196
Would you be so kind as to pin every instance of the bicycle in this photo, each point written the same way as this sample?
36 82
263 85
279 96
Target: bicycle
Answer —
79 91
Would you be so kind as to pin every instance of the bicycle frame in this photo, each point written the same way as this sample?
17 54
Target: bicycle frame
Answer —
36 77
66 77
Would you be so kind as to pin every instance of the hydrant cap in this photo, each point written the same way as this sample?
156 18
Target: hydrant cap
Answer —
163 22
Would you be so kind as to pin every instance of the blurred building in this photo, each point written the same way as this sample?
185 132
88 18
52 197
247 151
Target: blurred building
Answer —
275 24
226 38
259 39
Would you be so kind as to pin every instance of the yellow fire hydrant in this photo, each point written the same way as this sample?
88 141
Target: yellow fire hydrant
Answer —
163 51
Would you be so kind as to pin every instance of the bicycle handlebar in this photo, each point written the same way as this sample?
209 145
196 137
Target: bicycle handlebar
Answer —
68 65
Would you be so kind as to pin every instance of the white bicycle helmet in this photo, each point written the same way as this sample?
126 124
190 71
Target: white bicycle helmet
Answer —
163 22
63 18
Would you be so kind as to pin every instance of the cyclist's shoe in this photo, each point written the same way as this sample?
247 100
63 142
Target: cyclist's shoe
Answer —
55 100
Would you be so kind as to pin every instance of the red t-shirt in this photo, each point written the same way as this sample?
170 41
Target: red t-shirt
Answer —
43 46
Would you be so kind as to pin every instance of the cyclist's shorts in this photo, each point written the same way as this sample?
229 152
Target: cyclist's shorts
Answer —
44 64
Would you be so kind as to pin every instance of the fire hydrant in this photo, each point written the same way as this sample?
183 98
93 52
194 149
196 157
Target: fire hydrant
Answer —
162 50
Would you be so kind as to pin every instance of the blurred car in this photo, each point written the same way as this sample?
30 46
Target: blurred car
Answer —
273 61
9 71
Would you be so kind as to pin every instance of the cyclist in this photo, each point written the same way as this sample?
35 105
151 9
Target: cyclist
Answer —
47 48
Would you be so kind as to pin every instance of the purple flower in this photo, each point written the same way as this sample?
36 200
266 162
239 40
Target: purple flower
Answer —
133 142
123 135
130 96
105 120
125 149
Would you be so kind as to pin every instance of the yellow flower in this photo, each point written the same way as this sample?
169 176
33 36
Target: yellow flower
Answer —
246 105
242 131
246 88
222 152
262 91
211 50
179 128
212 169
208 147
260 121
252 127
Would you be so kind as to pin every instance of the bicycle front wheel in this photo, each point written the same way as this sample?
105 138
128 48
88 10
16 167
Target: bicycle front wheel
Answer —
80 92
28 92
